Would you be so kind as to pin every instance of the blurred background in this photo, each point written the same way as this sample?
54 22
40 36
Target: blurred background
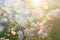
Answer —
29 19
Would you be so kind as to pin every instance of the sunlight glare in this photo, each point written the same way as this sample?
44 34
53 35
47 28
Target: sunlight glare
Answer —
37 2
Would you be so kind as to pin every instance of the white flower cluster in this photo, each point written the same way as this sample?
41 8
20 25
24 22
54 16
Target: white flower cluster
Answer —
53 14
43 32
14 10
20 35
28 32
42 29
37 24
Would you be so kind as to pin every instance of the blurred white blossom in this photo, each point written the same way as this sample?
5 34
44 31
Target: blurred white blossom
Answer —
15 9
43 22
13 32
28 32
43 32
5 39
18 18
32 24
20 35
12 29
3 19
37 24
12 7
53 14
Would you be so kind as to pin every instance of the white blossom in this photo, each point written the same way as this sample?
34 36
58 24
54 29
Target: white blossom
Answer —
3 19
43 32
37 24
18 18
53 14
5 39
32 24
20 35
13 32
12 29
28 32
